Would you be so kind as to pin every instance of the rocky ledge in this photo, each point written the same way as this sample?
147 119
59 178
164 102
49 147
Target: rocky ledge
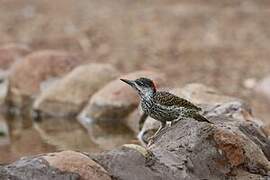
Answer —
231 148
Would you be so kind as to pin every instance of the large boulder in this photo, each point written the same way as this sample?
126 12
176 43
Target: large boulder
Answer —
116 100
229 149
27 75
70 94
63 165
10 53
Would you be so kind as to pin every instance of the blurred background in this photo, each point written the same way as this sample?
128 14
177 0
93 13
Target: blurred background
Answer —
221 44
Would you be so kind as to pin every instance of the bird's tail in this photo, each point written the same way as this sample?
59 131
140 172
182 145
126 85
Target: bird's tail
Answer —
201 118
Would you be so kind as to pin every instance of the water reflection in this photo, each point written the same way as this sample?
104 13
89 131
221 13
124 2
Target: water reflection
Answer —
21 136
65 134
21 140
116 134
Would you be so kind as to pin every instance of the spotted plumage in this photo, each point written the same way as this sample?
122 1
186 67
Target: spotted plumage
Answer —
163 106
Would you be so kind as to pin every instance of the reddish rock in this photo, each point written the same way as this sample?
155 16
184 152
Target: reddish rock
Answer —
116 100
27 75
67 96
10 53
75 162
62 165
231 145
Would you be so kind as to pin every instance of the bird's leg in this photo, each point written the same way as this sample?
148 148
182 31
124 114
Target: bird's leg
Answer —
142 120
170 123
163 124
173 122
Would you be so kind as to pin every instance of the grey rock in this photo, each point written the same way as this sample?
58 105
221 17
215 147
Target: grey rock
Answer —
65 165
34 169
230 149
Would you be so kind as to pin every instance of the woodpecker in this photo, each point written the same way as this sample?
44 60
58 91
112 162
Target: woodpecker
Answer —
161 105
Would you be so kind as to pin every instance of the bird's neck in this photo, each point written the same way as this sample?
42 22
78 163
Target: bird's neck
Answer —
147 96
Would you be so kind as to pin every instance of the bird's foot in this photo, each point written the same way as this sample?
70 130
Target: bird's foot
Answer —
150 141
170 123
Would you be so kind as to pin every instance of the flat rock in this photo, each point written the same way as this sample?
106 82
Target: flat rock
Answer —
27 75
70 94
62 165
10 53
116 100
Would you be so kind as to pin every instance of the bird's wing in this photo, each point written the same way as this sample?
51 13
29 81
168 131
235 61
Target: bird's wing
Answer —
168 99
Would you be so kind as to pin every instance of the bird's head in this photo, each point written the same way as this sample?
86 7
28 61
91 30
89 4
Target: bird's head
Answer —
144 86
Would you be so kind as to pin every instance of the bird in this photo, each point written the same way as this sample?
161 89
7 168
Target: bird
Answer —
161 105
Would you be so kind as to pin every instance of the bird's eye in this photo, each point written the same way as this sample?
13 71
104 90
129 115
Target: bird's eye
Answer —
139 83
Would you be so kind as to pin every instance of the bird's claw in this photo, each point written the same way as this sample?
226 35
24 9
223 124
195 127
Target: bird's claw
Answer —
150 141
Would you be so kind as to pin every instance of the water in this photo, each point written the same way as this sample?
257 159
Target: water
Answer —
22 136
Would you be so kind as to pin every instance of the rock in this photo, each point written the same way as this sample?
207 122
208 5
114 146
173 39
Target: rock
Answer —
27 75
116 100
68 95
36 168
75 162
63 165
214 103
10 53
4 132
192 150
3 86
263 87
129 163
201 94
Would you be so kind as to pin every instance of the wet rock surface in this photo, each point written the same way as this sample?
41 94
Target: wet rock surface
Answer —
116 100
67 96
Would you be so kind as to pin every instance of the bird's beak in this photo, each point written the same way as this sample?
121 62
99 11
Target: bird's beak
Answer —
129 82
